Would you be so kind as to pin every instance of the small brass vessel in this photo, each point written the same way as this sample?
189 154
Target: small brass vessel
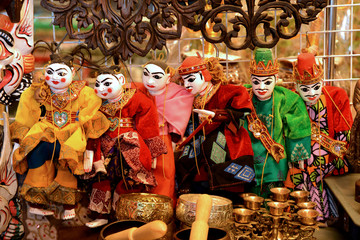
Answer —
280 194
306 205
253 202
308 216
277 208
300 196
243 215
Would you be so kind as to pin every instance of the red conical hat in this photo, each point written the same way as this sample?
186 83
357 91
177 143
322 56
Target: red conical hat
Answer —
194 64
306 71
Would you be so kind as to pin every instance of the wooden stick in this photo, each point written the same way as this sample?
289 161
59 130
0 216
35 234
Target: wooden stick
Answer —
150 231
200 227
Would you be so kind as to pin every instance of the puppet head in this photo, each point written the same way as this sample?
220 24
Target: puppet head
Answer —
156 76
109 83
308 77
264 70
60 72
198 74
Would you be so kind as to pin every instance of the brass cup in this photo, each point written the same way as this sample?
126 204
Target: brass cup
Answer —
280 194
242 195
277 208
243 215
253 202
308 216
306 205
300 196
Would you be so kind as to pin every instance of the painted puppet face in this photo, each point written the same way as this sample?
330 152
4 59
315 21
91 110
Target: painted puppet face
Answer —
263 86
108 86
59 76
310 93
195 83
155 79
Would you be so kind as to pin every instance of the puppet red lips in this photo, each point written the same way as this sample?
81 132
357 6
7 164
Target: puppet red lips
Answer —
104 94
55 82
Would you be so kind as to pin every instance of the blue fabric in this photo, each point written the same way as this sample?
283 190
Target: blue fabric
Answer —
41 153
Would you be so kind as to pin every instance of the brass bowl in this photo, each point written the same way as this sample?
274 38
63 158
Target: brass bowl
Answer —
213 234
253 202
243 215
145 207
306 205
220 215
300 196
277 208
308 216
117 227
280 194
242 195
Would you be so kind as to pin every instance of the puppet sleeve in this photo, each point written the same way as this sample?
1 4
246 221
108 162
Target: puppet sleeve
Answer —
240 107
28 113
146 122
297 127
89 105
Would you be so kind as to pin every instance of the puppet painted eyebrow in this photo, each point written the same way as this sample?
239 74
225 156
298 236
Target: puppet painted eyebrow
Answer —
308 86
61 69
105 80
146 70
268 78
158 73
188 76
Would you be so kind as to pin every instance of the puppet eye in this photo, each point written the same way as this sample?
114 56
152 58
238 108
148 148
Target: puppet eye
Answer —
146 74
157 77
317 87
97 84
304 89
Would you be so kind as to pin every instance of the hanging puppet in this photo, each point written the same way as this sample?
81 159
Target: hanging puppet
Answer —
52 123
220 145
124 155
329 112
279 126
16 44
174 105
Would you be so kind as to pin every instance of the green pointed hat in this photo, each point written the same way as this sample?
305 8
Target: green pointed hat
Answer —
263 64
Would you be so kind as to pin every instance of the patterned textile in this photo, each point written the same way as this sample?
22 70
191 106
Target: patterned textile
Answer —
223 154
321 163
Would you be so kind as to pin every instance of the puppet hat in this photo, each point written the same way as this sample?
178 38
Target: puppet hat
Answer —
194 64
263 63
306 71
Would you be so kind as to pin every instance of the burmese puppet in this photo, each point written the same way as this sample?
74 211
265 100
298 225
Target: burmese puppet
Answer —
174 105
220 145
124 154
50 135
278 125
330 116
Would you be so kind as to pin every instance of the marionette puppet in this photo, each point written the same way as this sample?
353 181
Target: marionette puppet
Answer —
329 112
52 123
216 139
279 126
174 106
353 153
123 156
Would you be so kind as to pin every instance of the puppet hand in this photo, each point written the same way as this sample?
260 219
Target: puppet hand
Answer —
88 160
204 113
16 146
153 164
301 164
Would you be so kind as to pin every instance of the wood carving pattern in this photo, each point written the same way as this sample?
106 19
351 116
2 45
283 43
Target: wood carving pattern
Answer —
124 27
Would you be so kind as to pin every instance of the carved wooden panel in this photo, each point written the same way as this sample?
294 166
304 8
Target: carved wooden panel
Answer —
124 27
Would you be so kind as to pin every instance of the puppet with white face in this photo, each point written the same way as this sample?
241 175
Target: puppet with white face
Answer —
278 125
222 142
329 112
50 136
123 156
172 123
